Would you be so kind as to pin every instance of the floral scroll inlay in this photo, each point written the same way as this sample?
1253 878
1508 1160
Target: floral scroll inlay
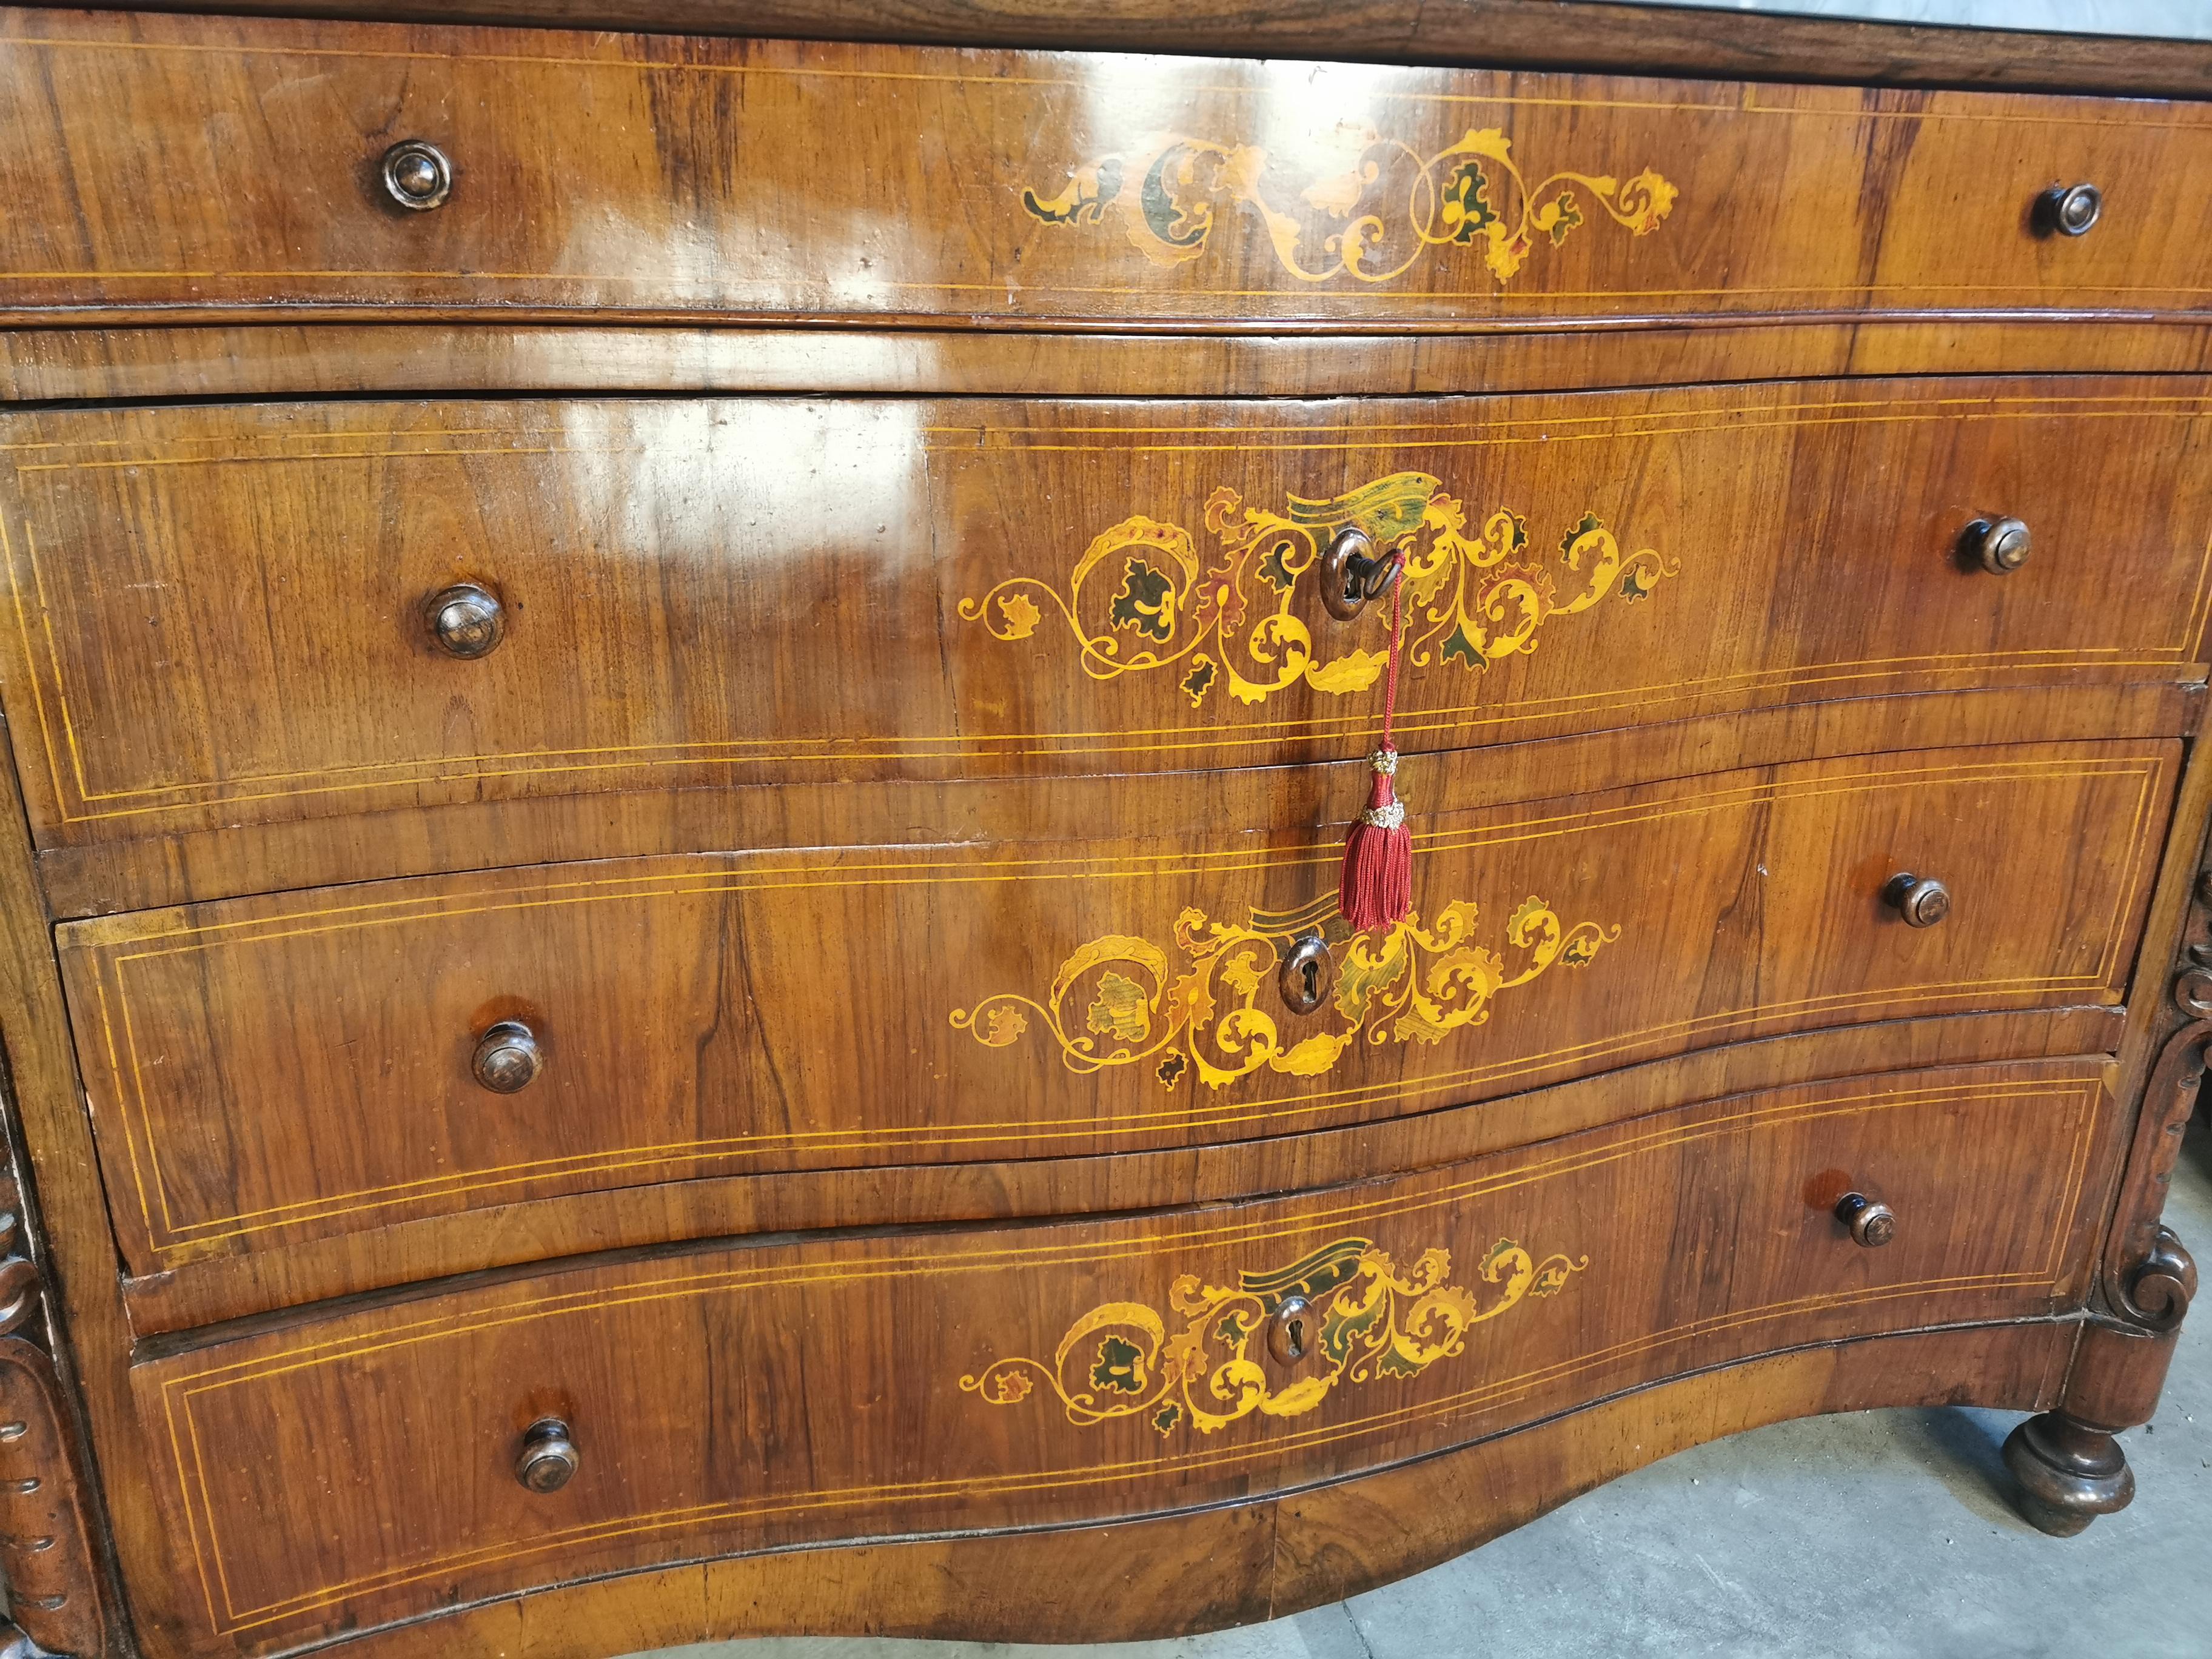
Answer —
1372 219
1377 1322
1142 597
1120 1000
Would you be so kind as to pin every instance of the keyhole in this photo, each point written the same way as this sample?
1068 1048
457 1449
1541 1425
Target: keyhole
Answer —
1307 969
1286 1334
1298 1338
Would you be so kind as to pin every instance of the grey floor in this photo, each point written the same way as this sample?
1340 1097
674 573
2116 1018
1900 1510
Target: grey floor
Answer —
1881 1535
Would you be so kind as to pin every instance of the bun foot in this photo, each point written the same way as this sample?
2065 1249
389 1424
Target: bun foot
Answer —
2068 1472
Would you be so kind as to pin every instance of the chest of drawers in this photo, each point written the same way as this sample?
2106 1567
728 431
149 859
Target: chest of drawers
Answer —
681 714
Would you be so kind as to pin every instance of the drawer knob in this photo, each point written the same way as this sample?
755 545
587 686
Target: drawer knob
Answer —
2069 210
2002 545
466 621
1871 1223
1307 973
548 1458
1922 901
1352 574
1291 1330
508 1057
417 175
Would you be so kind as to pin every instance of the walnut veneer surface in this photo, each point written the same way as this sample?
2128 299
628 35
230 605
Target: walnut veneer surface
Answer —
681 733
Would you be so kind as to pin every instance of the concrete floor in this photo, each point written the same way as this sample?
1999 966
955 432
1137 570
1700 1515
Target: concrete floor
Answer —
1881 1535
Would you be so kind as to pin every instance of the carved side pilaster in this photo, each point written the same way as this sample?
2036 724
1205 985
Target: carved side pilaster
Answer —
2149 1277
48 1549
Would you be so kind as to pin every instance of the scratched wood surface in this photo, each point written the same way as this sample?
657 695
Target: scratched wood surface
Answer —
650 175
798 1393
220 611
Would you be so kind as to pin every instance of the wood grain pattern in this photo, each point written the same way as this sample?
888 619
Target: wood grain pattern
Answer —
645 176
509 1232
80 1293
931 976
108 877
218 613
1236 1564
709 1454
288 1067
273 360
1611 35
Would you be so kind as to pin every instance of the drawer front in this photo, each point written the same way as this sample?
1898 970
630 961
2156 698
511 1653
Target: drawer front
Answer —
267 1071
221 614
352 1470
160 162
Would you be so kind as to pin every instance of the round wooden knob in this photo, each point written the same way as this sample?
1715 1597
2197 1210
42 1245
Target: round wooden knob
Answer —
549 1455
417 175
1922 901
508 1057
465 620
1871 1223
1352 573
2069 209
2001 545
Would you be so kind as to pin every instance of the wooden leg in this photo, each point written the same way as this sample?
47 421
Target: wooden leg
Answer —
2070 1468
2069 1472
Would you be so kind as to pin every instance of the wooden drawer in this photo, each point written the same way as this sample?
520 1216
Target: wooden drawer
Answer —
220 611
162 162
356 1469
266 1071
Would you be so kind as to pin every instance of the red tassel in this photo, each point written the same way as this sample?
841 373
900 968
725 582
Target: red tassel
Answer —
1377 888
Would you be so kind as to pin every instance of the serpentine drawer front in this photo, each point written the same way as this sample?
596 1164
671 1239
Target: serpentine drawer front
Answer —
559 172
693 724
267 1071
466 1444
262 613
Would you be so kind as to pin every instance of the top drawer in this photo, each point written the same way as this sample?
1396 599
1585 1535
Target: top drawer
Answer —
153 161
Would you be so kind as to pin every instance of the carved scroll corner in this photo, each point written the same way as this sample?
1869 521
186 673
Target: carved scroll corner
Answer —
2155 1292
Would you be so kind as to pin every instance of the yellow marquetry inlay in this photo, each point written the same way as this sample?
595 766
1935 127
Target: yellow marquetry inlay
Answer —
1373 218
1118 1000
1370 1322
1158 603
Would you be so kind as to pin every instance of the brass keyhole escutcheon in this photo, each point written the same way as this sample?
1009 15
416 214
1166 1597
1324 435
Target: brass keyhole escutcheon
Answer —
1308 973
1291 1330
1353 574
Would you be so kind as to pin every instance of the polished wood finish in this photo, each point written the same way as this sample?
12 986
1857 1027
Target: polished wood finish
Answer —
622 942
1451 1304
269 1070
503 1230
270 360
1613 34
111 877
702 594
60 1197
683 193
1268 1559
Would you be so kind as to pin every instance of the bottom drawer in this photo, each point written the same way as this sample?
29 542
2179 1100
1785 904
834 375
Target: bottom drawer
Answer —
352 1469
